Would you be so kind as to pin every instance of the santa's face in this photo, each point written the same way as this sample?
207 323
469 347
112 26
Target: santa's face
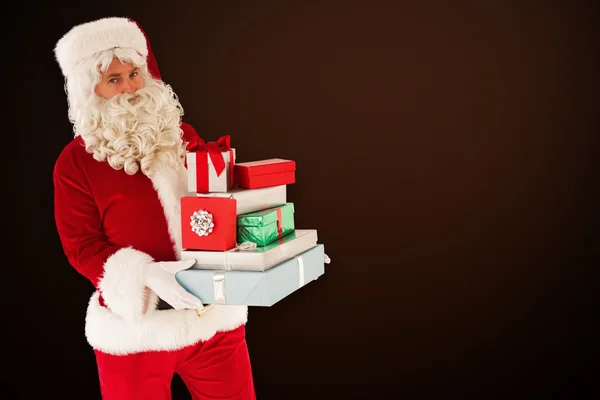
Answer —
133 121
119 78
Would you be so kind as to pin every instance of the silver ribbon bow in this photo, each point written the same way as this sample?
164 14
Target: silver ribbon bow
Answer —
202 222
245 246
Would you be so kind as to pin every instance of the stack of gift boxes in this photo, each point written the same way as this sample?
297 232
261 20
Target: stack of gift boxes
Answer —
240 229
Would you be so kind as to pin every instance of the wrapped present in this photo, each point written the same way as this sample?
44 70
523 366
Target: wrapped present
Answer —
264 173
250 200
266 226
208 223
254 288
254 258
210 166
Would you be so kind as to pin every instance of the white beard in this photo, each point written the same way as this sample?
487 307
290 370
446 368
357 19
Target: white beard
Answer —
135 131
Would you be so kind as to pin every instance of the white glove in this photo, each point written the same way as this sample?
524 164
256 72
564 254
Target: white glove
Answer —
160 277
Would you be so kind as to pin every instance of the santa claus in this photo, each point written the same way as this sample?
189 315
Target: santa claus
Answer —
118 184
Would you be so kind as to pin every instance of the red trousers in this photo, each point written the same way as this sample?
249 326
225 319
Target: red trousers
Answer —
216 369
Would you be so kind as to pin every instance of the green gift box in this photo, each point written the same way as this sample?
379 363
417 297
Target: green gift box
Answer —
266 226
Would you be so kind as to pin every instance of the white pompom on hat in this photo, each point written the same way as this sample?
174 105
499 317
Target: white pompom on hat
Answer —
84 40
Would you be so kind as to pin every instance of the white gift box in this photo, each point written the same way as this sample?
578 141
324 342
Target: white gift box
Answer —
215 183
255 288
257 259
251 200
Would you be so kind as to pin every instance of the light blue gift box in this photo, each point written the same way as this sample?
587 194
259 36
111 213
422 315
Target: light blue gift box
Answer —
254 288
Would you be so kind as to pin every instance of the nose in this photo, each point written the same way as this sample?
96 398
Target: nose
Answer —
128 86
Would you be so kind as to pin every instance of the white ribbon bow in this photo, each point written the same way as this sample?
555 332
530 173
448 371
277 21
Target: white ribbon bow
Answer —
246 246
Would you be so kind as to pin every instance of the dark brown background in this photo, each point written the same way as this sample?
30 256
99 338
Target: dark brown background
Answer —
444 156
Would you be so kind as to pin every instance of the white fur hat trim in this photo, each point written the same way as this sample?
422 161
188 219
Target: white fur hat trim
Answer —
84 40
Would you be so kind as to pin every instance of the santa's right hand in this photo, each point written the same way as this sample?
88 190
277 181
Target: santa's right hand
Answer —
160 278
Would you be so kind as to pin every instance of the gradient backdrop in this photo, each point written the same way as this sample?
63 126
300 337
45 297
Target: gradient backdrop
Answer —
443 154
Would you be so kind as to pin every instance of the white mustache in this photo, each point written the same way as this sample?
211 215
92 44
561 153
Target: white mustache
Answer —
126 105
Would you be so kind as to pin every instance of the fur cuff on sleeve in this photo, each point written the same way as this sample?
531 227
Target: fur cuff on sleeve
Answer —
122 284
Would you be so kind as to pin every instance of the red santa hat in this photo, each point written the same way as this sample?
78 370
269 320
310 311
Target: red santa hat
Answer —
86 39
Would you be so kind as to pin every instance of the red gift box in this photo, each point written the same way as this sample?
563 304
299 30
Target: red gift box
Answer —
208 223
265 173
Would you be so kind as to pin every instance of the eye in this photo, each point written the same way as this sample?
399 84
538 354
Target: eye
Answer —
113 80
134 74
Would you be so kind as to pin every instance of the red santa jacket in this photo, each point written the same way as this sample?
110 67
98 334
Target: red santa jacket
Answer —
111 225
